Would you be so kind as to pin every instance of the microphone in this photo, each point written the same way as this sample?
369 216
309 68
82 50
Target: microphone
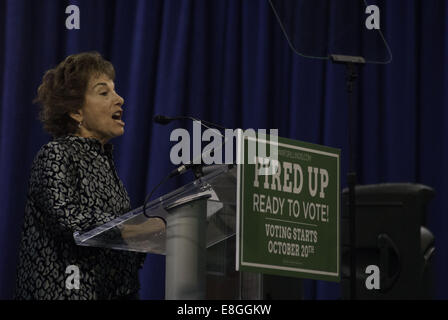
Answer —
163 120
180 170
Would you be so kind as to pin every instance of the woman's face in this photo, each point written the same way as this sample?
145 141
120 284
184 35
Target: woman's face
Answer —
102 113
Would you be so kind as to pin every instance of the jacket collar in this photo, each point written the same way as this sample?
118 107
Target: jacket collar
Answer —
93 143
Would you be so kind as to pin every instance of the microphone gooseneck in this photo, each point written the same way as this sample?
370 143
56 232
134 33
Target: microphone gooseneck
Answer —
164 120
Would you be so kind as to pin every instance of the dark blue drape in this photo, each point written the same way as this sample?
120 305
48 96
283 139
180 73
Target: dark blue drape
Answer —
228 62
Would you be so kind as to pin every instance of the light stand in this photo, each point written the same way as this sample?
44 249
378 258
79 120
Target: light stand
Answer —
351 64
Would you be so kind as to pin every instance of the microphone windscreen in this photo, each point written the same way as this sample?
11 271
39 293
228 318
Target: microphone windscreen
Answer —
162 119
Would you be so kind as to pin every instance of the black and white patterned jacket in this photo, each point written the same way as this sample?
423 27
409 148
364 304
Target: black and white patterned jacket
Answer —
73 187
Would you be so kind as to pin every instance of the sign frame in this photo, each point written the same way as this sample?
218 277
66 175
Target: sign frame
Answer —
242 264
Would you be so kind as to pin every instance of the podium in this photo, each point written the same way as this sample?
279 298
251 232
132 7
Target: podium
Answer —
194 227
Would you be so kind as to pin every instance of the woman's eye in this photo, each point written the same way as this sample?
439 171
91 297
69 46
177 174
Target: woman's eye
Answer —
103 93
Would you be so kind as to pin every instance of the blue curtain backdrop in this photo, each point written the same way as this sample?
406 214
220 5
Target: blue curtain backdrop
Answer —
228 62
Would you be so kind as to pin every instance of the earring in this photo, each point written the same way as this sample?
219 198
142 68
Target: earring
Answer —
80 124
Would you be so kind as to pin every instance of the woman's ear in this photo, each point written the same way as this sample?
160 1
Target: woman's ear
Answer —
77 115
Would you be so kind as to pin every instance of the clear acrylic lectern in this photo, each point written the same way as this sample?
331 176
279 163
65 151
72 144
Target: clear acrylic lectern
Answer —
194 226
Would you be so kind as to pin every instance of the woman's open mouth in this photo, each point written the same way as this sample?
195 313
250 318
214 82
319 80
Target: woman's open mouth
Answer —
117 117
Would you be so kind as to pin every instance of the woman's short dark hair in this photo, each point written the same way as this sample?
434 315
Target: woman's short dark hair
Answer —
63 90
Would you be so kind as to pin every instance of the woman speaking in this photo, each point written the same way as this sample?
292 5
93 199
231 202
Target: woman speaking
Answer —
74 187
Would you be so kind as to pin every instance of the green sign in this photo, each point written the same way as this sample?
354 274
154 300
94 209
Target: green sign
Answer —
288 208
